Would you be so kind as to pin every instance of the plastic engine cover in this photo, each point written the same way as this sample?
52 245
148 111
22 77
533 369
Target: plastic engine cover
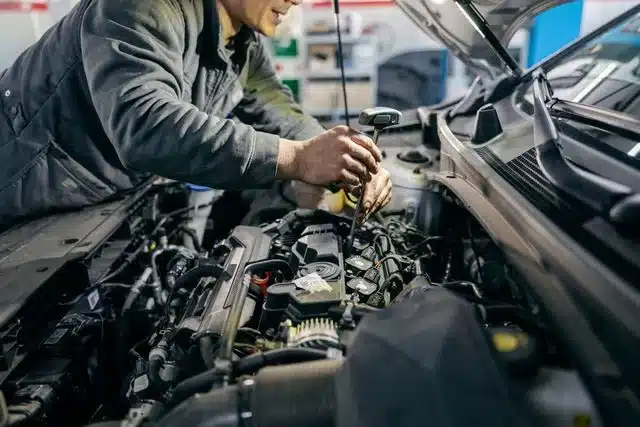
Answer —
319 282
246 244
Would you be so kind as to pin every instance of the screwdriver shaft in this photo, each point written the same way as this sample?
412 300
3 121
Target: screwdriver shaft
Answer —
359 205
357 212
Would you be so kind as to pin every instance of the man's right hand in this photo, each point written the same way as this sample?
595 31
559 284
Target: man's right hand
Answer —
339 155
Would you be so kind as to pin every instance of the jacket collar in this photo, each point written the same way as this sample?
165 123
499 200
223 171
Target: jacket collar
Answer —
213 37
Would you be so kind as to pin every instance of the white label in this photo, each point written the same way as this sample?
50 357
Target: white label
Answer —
93 298
140 383
313 283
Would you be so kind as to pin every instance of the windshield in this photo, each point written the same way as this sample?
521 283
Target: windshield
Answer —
604 73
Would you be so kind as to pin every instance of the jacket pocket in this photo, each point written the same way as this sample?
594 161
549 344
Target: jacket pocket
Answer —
49 181
78 172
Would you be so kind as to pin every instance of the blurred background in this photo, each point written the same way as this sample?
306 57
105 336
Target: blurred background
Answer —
388 59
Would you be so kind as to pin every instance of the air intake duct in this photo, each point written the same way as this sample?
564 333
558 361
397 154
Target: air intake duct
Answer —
278 396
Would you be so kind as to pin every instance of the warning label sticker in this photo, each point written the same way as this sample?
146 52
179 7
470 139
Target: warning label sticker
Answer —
313 283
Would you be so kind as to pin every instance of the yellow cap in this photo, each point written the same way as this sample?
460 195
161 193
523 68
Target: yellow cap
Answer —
505 342
334 201
347 201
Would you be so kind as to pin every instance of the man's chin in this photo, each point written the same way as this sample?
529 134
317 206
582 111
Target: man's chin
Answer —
269 31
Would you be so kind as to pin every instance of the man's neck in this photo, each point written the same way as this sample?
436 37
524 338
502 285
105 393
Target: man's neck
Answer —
230 27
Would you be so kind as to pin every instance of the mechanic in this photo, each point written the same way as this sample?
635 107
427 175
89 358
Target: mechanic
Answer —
120 90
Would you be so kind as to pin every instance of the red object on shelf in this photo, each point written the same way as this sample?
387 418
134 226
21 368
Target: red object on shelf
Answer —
24 6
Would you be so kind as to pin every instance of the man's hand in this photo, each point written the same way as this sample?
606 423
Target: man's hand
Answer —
377 193
340 155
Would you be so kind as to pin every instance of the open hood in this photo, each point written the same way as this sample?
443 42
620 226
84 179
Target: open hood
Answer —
454 24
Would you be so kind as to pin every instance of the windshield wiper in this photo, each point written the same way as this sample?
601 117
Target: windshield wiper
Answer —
610 199
612 121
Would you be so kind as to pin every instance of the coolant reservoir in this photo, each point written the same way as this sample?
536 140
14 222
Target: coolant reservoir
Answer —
312 197
407 168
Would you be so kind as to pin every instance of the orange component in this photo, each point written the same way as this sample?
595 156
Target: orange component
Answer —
262 282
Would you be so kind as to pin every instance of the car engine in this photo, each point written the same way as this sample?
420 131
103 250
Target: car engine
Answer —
146 321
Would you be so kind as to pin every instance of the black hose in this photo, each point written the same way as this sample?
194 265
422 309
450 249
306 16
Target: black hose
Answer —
463 285
388 281
157 358
131 257
279 396
194 238
358 312
232 322
475 255
108 276
153 371
200 383
191 277
253 363
203 382
207 349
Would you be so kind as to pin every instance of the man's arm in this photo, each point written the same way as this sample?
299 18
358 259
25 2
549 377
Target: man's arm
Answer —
132 52
269 105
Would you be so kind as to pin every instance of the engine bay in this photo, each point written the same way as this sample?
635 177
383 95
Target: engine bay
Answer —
135 330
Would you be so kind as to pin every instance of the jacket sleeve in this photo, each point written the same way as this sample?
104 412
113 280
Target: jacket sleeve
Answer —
268 105
132 54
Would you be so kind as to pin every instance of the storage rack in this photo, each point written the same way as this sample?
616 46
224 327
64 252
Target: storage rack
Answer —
322 94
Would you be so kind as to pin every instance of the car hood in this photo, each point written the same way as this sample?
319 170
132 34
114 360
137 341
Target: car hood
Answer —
446 21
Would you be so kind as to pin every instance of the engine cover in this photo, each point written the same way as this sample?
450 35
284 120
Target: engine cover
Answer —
212 305
319 282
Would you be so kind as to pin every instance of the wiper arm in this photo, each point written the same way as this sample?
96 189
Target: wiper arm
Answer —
620 124
481 25
599 193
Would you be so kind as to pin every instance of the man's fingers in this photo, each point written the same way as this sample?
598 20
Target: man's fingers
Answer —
348 178
370 192
351 190
355 167
360 139
367 143
362 155
383 199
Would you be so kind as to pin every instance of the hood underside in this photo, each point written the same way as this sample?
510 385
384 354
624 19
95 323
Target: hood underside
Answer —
446 21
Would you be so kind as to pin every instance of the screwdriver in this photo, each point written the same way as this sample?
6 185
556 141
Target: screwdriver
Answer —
379 118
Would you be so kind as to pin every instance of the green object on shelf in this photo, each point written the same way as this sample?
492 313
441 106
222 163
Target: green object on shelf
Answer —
294 85
288 47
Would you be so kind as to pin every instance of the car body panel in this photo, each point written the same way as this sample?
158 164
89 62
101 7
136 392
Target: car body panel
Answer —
444 20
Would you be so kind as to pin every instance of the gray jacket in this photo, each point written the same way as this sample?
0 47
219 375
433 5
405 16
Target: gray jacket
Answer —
119 90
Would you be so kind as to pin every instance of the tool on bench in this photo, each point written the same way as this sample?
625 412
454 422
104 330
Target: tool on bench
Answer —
379 118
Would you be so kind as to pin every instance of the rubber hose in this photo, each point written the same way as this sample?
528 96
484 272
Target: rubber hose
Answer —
206 351
250 364
194 238
279 396
255 362
153 371
197 384
195 274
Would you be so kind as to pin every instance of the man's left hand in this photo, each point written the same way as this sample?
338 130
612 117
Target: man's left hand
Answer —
377 193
